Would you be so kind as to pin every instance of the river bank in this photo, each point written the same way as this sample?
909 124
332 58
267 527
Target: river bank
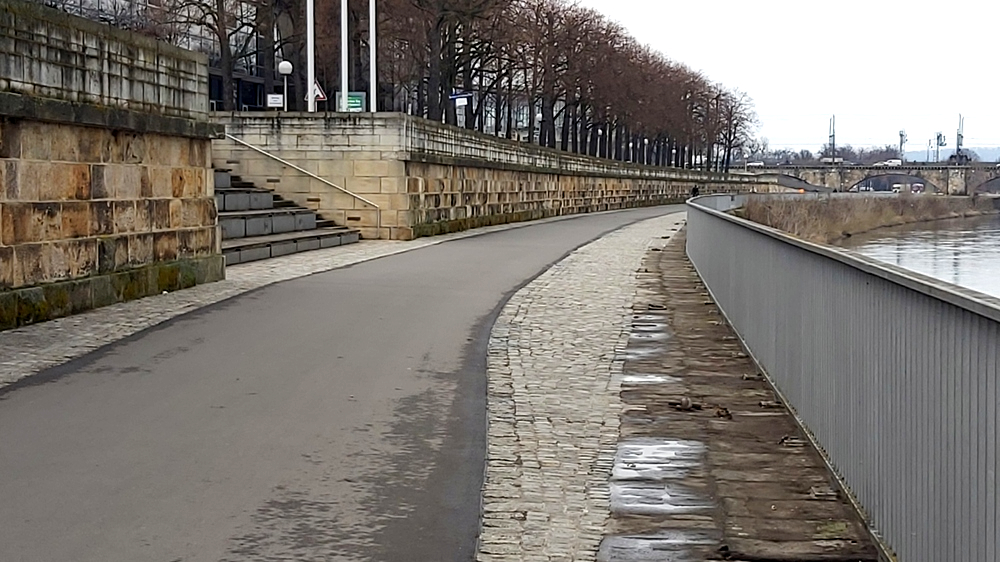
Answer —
830 220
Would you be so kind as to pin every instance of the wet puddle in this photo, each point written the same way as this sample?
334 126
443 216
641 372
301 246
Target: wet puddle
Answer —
637 378
648 474
656 459
665 546
655 498
648 337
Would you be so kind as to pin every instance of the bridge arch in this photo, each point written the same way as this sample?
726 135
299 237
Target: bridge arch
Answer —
885 181
991 185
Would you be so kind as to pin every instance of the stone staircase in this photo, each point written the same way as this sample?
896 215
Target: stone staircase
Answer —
258 224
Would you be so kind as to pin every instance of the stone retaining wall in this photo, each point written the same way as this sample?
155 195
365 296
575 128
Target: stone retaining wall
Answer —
105 166
427 178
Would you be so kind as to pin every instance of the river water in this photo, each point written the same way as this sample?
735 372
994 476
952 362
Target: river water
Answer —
965 252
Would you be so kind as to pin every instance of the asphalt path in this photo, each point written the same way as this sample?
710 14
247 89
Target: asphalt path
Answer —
339 416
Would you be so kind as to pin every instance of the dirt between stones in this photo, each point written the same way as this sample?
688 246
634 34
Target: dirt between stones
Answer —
709 465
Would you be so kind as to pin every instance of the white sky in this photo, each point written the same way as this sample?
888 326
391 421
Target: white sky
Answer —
878 65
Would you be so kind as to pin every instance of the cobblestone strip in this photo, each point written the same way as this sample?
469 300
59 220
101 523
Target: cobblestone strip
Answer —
554 405
31 349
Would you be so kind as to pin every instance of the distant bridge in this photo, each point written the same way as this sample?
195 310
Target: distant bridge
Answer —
954 180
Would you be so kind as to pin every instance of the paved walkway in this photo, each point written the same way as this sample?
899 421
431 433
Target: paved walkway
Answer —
29 350
339 416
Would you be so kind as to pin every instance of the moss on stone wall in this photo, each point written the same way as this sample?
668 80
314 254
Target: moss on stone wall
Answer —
458 225
25 306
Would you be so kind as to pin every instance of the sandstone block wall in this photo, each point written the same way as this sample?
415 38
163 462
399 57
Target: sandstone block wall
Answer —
105 191
428 178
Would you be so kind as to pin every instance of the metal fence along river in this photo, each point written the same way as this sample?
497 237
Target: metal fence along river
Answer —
893 373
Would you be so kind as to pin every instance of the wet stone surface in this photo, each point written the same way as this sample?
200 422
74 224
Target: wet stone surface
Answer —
710 467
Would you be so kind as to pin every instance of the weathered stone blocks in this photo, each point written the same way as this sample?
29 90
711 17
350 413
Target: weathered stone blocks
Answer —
89 217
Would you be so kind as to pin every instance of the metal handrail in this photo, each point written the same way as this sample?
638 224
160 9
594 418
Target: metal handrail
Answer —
378 215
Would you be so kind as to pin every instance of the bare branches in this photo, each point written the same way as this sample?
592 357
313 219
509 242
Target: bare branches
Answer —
543 71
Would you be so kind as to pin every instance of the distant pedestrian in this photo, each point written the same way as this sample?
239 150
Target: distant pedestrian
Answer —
694 191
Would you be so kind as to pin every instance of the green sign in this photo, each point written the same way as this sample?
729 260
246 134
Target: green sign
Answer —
355 102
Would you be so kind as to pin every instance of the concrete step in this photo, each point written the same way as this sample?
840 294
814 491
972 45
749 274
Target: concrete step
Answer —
247 223
255 248
243 199
222 177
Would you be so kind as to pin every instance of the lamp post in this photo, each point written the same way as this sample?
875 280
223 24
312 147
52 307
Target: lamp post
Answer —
310 56
372 53
284 68
343 56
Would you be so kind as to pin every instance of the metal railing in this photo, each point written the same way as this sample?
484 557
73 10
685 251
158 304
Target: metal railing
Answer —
893 374
378 210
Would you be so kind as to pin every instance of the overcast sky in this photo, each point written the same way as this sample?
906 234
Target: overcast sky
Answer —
878 65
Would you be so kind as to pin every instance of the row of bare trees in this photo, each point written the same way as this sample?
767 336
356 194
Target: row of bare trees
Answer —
553 73
541 71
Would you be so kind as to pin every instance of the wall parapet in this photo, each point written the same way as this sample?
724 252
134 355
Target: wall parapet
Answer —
429 178
416 139
58 67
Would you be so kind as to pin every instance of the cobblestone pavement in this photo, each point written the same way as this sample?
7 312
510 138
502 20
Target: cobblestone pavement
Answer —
554 381
27 351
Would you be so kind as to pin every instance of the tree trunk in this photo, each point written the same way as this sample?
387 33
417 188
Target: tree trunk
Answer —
619 130
564 134
421 99
531 120
265 45
575 127
497 109
470 113
549 120
510 106
434 74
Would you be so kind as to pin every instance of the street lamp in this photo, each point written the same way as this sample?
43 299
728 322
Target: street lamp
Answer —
284 68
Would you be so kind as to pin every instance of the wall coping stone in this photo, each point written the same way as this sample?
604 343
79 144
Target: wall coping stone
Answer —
42 12
53 110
